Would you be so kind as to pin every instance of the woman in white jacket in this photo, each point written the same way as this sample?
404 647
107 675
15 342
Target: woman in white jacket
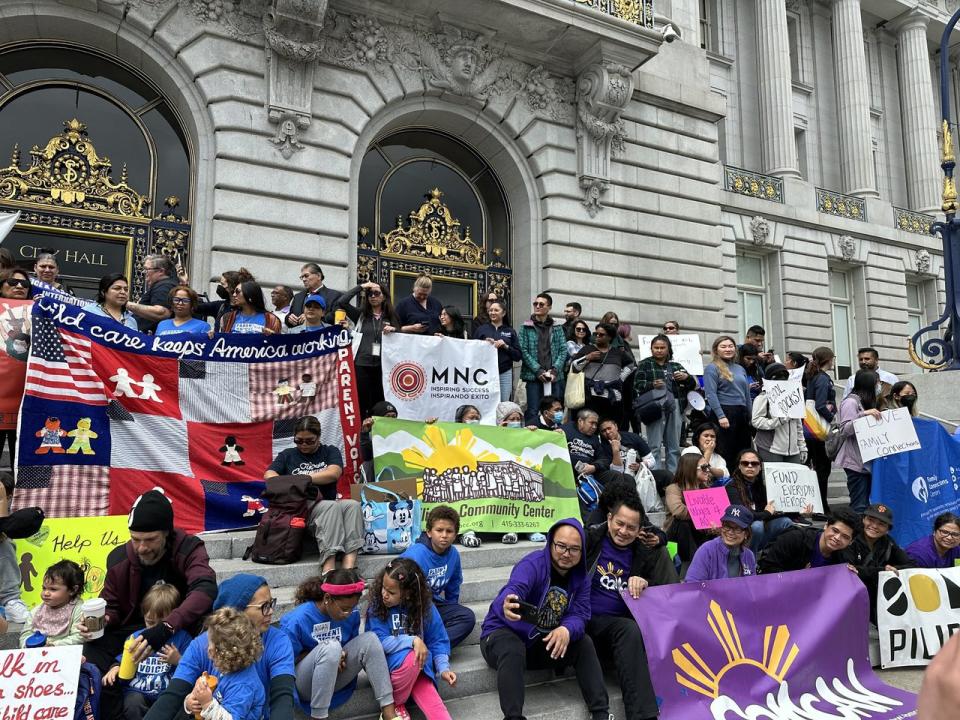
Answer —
777 439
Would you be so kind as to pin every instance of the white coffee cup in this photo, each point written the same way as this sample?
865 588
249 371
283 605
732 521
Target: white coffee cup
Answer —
93 616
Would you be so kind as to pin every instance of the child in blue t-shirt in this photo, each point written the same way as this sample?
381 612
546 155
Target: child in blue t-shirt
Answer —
154 672
438 558
329 648
403 616
234 646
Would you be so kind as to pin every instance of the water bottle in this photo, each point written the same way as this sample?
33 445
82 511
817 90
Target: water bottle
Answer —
631 459
37 640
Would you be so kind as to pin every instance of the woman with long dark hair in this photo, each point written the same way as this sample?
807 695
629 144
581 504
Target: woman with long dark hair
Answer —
451 323
374 318
605 368
504 338
818 386
859 403
747 488
250 315
727 388
693 473
227 283
903 394
113 292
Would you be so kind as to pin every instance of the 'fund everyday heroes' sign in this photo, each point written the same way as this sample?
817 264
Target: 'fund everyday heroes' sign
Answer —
792 487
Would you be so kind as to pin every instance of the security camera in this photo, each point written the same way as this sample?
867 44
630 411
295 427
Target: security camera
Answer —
670 32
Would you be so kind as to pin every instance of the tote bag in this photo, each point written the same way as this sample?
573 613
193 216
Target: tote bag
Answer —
391 527
575 394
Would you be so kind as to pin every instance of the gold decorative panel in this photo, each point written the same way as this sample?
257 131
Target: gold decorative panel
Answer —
69 173
434 234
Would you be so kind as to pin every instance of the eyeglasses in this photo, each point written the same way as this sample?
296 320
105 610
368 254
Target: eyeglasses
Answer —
567 549
749 463
705 467
949 535
668 328
148 269
17 282
305 441
180 300
374 293
539 303
306 275
266 608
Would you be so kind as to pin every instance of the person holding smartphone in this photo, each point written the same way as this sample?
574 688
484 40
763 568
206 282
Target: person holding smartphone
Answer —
419 313
539 620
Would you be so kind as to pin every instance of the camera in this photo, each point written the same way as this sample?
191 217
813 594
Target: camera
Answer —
669 33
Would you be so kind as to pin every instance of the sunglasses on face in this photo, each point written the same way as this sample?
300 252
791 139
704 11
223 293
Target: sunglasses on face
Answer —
17 282
669 328
580 330
705 467
539 304
749 463
304 441
374 293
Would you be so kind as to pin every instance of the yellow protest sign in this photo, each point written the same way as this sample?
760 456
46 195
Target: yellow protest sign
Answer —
85 540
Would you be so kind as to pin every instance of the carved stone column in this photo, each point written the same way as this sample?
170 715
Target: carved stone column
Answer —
292 29
779 151
918 112
853 94
603 91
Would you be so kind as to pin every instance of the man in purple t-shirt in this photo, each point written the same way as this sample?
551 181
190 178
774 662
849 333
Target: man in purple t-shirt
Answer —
624 553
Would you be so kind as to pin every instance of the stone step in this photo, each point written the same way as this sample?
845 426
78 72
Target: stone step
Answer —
477 682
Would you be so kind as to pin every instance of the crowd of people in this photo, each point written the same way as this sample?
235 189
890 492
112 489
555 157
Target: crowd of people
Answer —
636 443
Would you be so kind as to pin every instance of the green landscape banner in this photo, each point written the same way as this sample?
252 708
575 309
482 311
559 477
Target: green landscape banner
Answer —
499 479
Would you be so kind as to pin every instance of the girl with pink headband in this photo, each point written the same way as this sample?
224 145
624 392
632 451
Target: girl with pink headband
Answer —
329 649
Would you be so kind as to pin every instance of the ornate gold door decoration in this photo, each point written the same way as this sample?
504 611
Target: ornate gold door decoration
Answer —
433 232
68 172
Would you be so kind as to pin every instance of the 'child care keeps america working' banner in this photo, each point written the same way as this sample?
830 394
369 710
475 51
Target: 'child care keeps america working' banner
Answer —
499 479
109 413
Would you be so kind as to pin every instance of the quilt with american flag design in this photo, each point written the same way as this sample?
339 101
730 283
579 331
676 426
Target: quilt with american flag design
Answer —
108 413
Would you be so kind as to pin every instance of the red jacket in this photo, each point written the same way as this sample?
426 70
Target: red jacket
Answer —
190 573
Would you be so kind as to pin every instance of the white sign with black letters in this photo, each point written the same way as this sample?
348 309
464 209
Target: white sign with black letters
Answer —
791 487
785 398
893 433
686 351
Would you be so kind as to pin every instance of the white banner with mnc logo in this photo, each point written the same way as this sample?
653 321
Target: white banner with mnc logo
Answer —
917 612
426 376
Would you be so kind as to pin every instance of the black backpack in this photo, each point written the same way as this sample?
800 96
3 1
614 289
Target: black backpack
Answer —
279 539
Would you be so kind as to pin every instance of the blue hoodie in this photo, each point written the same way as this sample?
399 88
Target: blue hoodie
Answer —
530 581
443 572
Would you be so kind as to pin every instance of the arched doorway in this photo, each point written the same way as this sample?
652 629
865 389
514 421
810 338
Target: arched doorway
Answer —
428 202
108 175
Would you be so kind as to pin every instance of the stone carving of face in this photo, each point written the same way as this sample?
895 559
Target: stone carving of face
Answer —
464 65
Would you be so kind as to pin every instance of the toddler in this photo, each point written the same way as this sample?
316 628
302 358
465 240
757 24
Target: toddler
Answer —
60 610
154 672
234 645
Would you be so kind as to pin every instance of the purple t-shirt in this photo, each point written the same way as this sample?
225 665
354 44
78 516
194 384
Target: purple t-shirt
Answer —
609 578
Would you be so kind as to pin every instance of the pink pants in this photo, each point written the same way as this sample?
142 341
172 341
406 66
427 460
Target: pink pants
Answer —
409 682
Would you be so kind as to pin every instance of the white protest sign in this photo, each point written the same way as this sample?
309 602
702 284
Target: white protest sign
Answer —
797 374
39 684
686 351
428 376
785 398
893 433
917 612
791 487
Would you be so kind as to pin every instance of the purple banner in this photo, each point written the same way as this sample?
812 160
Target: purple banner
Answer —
791 646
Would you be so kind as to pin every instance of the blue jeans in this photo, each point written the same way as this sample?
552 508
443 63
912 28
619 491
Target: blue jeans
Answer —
765 533
506 385
858 483
665 431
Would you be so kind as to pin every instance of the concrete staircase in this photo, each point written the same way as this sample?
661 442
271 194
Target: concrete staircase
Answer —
486 570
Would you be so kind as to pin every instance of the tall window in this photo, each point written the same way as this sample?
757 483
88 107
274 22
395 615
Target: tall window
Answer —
793 34
709 26
800 142
751 292
841 313
915 313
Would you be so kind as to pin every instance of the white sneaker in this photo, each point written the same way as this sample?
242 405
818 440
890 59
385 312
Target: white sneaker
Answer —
17 612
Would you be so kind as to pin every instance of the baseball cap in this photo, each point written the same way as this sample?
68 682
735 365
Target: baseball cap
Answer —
315 298
879 511
739 515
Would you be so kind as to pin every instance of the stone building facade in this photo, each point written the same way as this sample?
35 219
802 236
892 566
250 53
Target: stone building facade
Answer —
721 162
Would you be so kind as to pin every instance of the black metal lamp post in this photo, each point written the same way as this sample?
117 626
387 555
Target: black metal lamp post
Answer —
939 353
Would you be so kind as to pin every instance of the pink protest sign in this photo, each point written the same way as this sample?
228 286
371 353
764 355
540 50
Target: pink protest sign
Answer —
706 506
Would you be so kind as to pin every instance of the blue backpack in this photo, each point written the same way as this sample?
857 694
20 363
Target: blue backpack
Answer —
88 693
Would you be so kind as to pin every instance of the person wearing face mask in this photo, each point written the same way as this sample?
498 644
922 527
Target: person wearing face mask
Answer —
226 284
549 415
510 415
903 394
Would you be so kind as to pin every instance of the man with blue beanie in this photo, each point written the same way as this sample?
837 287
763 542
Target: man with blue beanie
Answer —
250 594
548 630
440 562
